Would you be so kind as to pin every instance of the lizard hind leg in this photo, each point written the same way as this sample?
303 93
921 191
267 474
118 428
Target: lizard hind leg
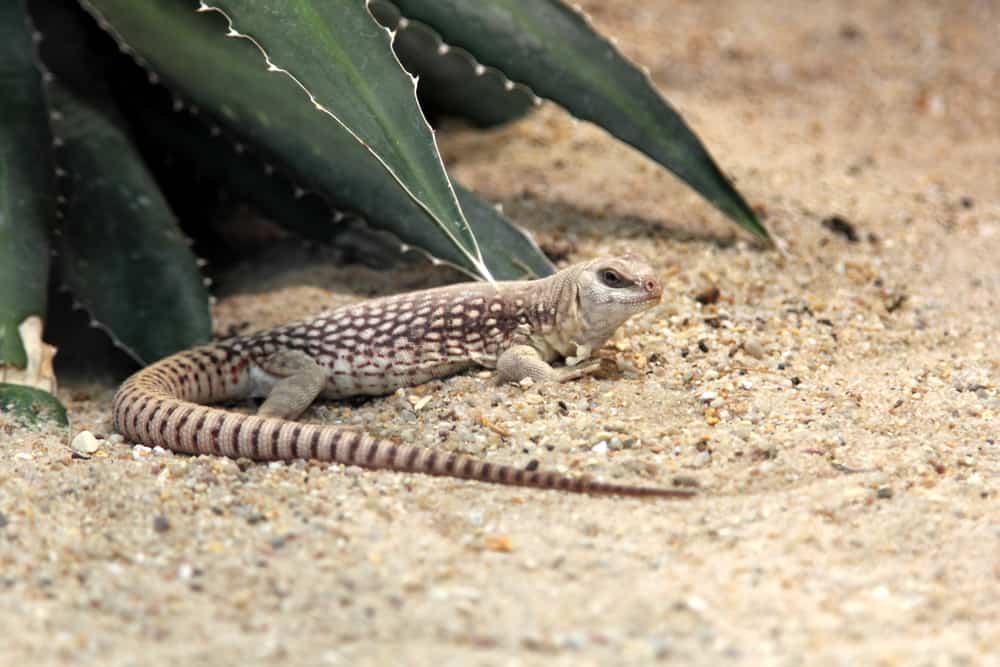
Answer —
302 380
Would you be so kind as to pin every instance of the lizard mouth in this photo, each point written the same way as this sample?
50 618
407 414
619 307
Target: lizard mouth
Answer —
647 299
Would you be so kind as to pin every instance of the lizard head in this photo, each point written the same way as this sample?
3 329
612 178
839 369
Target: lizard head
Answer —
610 290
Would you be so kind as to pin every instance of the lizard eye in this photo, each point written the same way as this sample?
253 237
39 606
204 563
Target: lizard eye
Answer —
612 278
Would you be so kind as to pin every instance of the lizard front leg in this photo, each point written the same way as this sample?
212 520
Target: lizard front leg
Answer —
523 361
302 381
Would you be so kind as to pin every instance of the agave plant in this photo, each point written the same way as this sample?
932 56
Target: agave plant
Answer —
321 96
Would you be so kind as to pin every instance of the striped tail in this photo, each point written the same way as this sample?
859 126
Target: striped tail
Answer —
153 407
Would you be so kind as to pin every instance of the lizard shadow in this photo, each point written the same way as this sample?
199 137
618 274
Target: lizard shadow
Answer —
547 220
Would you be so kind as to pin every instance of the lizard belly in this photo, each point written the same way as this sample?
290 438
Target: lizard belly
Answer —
375 382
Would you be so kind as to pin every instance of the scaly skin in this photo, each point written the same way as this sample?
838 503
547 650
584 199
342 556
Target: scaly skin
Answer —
376 347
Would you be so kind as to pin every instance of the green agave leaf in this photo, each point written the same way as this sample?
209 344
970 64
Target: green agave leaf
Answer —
451 82
27 195
120 250
226 77
510 253
506 245
31 405
552 48
343 62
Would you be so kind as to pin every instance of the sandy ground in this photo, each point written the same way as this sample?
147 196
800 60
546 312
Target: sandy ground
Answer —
837 407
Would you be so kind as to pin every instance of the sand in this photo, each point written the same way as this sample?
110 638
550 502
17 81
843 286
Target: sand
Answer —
836 406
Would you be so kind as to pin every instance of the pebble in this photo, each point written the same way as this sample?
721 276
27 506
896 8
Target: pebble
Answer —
600 448
884 492
116 438
161 524
85 443
708 396
707 295
140 452
753 347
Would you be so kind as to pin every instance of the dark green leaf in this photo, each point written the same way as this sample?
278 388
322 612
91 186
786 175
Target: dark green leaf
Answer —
510 253
342 60
119 248
31 405
451 81
227 78
26 189
553 49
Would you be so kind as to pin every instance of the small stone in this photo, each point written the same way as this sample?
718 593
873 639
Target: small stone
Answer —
884 492
696 604
703 459
499 543
116 438
85 443
753 347
141 452
161 524
842 226
708 295
708 396
3 520
600 448
686 482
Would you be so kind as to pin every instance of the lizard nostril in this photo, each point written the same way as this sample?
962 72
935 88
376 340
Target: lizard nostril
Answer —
651 285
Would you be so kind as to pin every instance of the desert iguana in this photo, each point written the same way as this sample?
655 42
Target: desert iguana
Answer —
376 347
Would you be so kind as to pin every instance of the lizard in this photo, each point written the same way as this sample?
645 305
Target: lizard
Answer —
377 346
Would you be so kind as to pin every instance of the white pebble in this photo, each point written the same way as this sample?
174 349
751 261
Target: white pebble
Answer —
23 456
116 439
696 603
600 448
140 452
708 397
85 442
746 384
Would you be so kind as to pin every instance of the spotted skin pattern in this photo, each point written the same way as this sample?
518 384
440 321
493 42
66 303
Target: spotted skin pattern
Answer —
378 346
